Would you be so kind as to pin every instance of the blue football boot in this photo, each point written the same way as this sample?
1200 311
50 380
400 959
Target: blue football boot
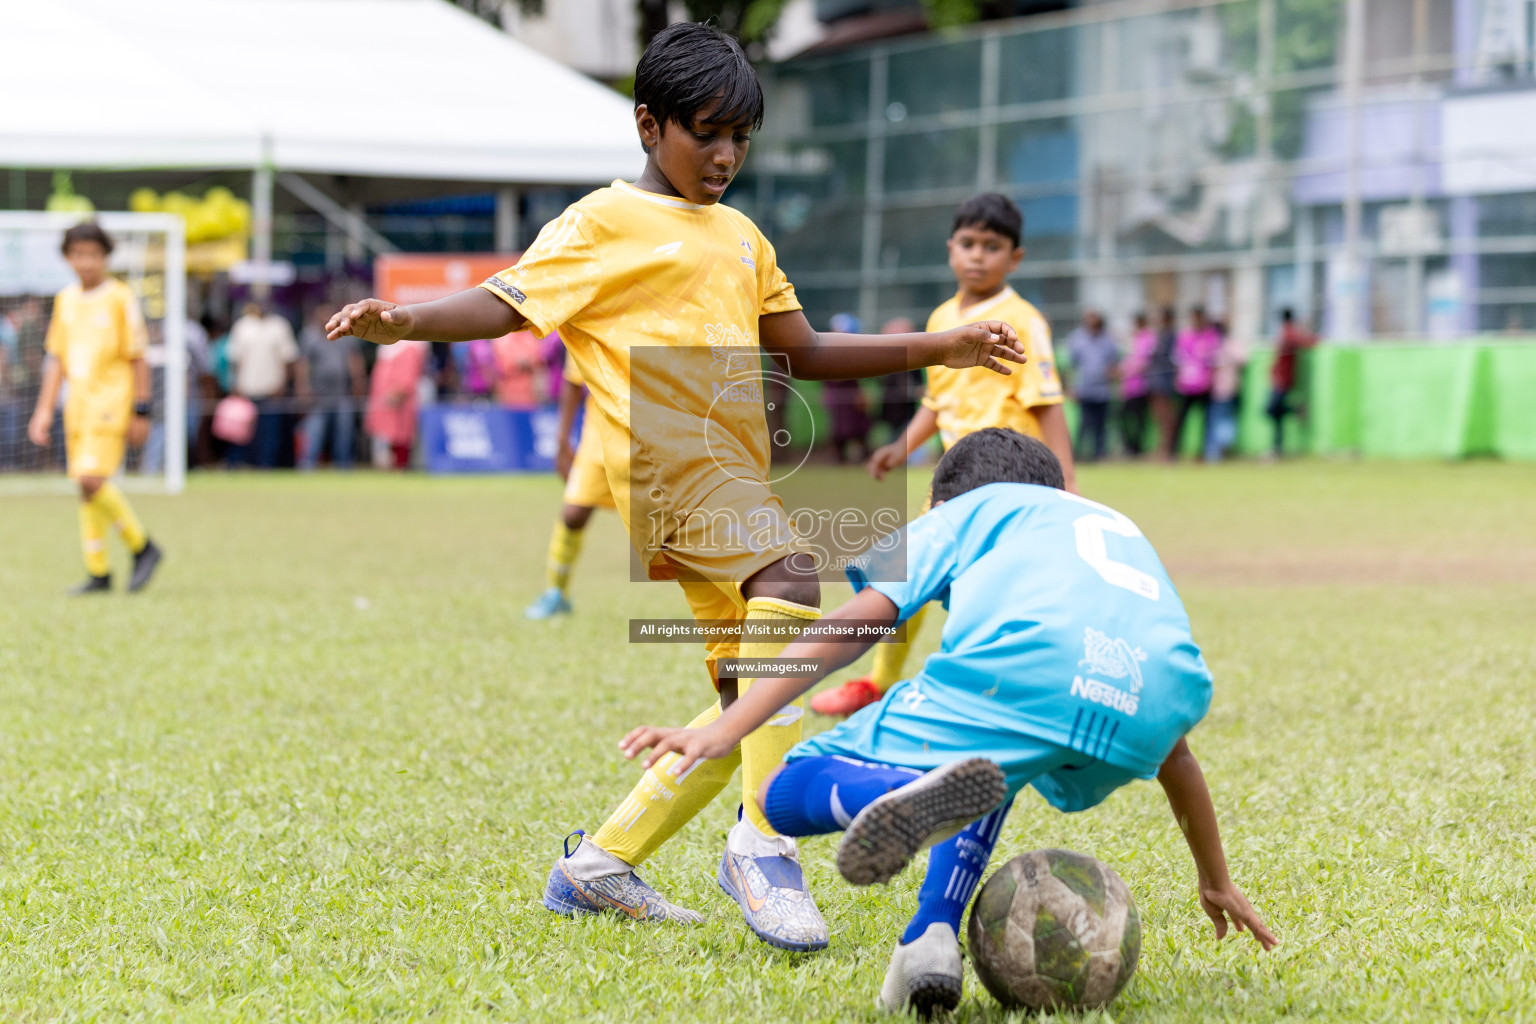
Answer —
622 892
550 603
768 885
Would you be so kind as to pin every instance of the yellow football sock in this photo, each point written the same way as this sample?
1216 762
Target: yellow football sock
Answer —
114 509
764 750
891 656
661 803
564 546
93 539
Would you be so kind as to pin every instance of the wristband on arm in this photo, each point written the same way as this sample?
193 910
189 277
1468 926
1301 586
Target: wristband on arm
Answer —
140 409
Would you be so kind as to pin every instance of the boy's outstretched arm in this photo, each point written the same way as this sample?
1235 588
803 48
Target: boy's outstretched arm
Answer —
570 401
1053 425
1184 784
463 316
825 356
925 423
767 696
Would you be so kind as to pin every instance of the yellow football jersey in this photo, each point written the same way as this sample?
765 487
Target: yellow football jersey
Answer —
966 401
658 300
96 335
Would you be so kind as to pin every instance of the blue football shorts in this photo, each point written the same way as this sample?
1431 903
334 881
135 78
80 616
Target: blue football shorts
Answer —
890 733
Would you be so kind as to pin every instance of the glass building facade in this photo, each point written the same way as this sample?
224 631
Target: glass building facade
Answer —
1369 163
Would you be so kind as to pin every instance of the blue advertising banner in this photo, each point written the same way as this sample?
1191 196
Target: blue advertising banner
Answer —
489 439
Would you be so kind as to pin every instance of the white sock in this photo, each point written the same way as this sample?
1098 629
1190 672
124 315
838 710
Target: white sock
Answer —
591 862
747 840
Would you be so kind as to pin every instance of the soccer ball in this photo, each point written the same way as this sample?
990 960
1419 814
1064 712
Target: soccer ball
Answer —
1054 929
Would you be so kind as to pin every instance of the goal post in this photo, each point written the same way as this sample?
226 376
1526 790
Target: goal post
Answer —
149 254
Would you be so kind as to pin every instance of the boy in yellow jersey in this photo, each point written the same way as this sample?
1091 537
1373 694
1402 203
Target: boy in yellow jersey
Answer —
666 300
96 342
983 250
586 488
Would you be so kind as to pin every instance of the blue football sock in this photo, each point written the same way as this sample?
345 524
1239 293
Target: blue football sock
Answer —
816 795
954 868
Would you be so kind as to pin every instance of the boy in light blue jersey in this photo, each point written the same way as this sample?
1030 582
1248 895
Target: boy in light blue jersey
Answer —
1067 664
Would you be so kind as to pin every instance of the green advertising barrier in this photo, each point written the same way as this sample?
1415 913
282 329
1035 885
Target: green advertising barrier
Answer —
1510 377
1398 400
1402 400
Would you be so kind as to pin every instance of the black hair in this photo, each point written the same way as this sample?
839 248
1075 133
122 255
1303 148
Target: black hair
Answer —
87 231
995 455
991 211
690 66
1286 316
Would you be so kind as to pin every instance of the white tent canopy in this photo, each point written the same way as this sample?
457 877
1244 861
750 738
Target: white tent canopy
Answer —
384 88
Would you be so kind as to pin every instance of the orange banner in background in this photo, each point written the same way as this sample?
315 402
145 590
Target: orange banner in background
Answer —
421 277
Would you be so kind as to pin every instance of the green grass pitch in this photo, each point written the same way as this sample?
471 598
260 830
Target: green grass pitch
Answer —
319 771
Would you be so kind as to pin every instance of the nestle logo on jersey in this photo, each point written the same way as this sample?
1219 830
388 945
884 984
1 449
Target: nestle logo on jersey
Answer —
515 292
1112 697
745 391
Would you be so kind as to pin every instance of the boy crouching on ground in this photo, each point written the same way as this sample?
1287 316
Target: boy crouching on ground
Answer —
1067 665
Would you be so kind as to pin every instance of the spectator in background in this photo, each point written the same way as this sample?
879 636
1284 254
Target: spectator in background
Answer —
1095 361
1162 373
332 377
520 370
10 362
393 400
1226 395
21 360
554 366
262 353
477 368
1282 373
900 393
1195 358
1135 391
845 403
203 391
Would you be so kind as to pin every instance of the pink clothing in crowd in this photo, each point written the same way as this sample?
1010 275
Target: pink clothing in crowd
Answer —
1227 380
554 363
1195 355
392 392
479 368
521 370
1133 368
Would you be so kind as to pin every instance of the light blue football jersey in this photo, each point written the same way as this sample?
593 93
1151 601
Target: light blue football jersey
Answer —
1063 626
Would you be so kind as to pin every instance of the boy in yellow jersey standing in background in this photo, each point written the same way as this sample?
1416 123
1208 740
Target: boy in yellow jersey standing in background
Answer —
984 248
96 342
666 301
586 488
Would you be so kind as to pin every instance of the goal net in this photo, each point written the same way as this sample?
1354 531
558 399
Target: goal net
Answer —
149 255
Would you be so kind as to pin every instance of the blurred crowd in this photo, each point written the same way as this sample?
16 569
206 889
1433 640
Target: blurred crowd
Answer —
1139 396
264 396
261 394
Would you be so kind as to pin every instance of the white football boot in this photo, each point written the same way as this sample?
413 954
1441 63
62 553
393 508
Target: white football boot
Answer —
925 976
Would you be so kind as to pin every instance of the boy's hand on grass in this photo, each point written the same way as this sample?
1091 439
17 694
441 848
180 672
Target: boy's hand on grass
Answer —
988 343
886 458
375 320
690 745
1223 901
564 457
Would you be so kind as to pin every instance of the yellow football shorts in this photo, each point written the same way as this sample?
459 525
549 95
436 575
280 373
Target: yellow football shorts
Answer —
98 453
587 484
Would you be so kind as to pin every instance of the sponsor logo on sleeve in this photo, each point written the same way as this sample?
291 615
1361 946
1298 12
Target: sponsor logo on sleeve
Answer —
511 290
